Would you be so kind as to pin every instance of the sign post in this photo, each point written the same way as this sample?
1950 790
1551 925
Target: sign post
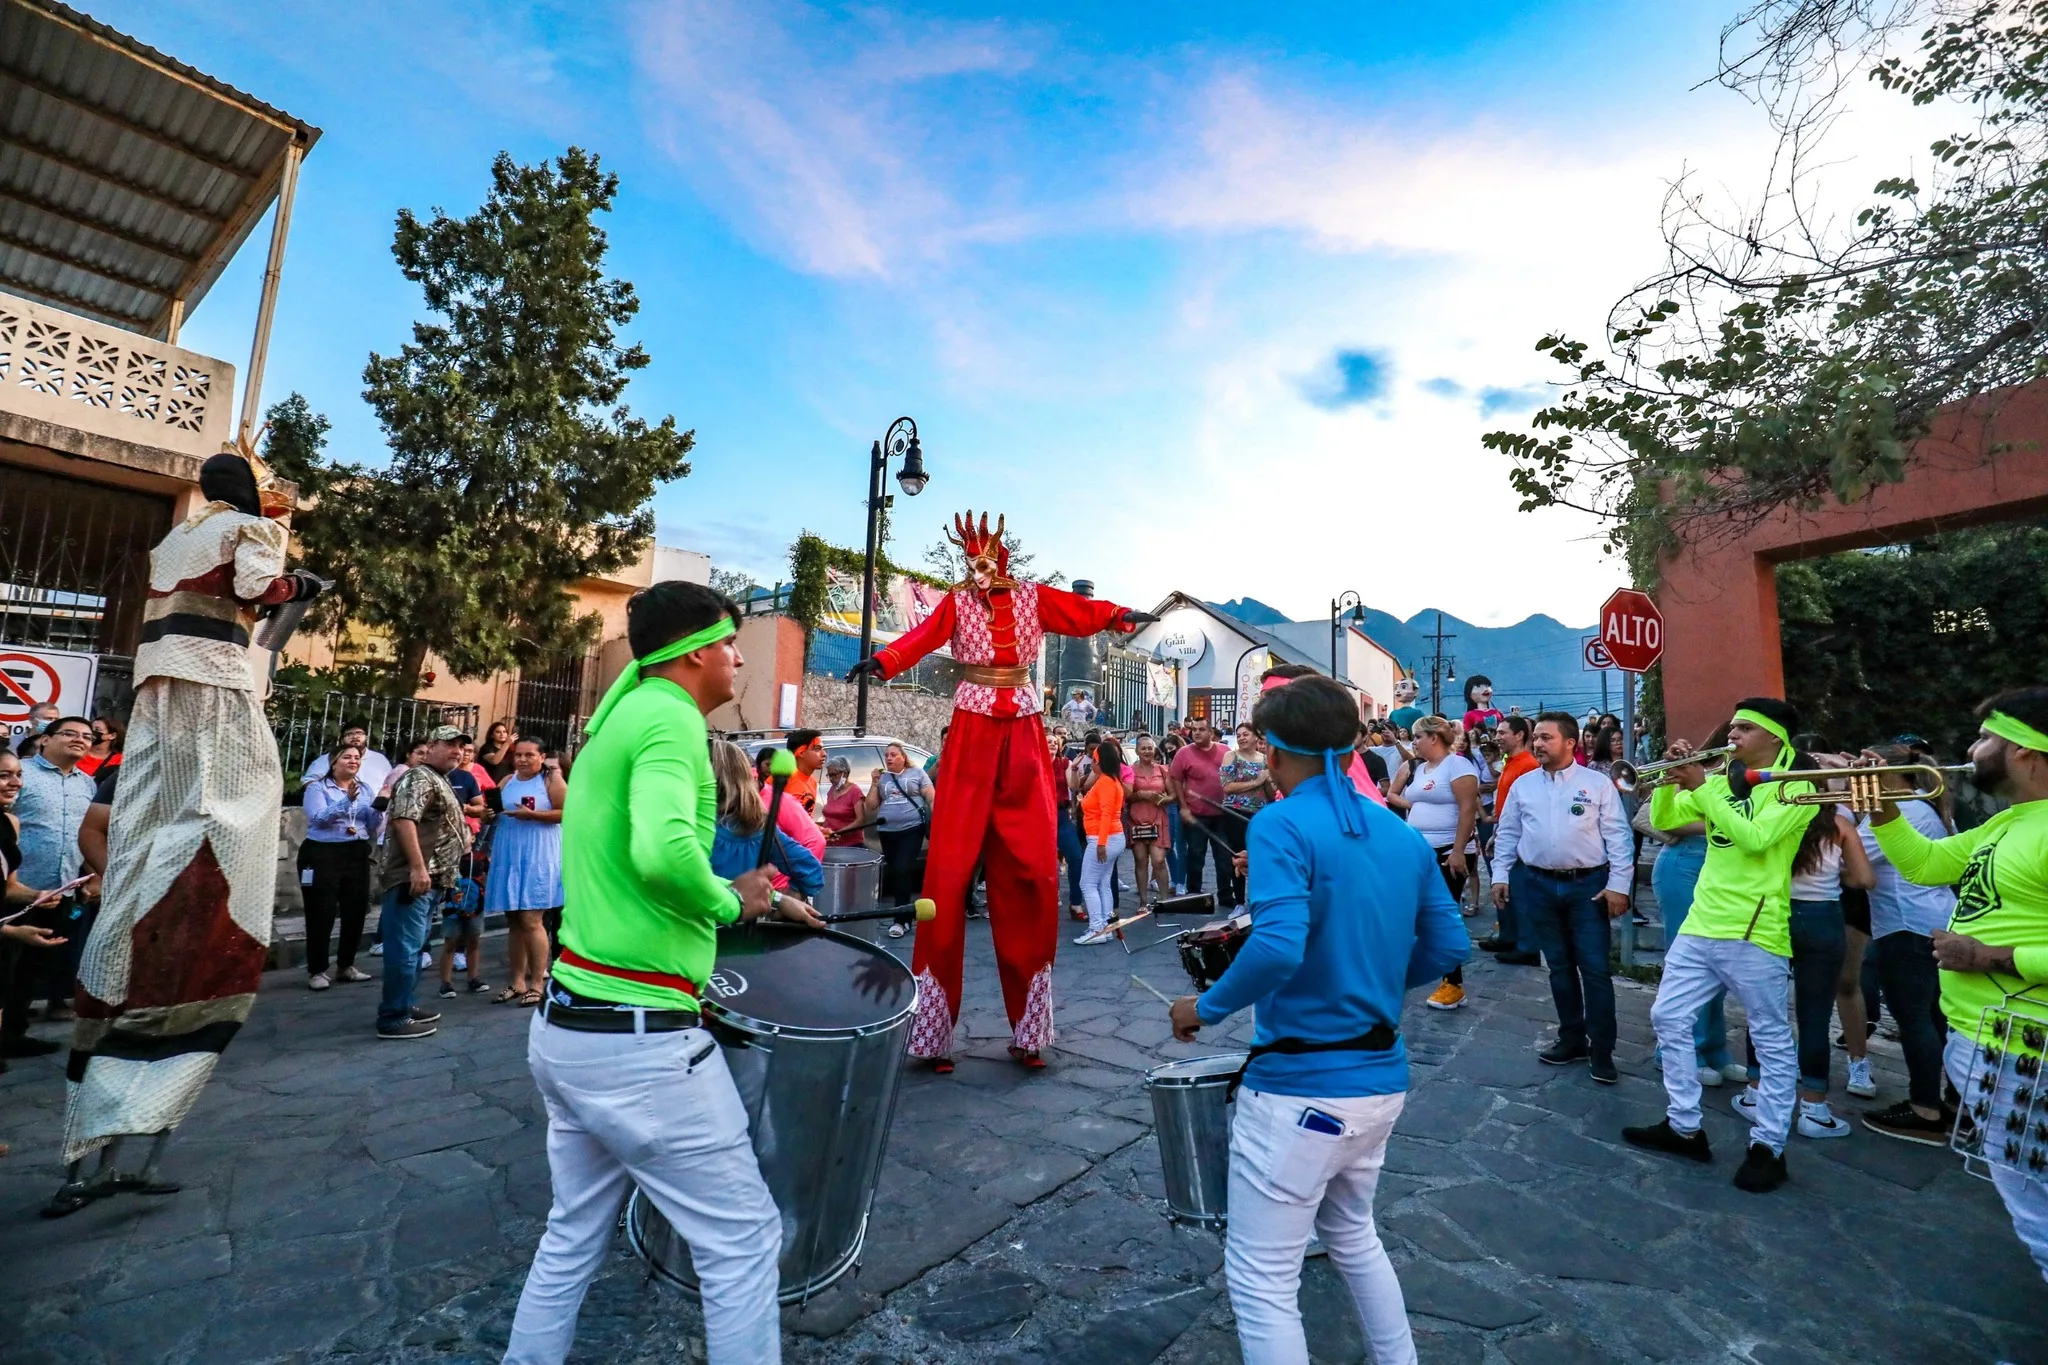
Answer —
1632 634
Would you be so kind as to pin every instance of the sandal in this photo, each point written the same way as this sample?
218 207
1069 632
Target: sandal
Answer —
528 999
1027 1058
506 996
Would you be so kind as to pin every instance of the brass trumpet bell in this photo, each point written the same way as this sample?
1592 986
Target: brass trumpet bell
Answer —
1863 790
1629 779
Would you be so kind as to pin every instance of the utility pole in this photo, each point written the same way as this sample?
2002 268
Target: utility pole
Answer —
1436 672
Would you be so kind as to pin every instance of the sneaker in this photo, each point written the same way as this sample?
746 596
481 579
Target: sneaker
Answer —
1447 996
1710 1077
1861 1085
895 931
1762 1171
1744 1103
411 1029
1179 890
462 962
351 973
1601 1068
420 1016
1735 1073
1662 1137
1561 1053
1819 1121
477 987
447 990
1493 944
318 981
1901 1122
1094 937
1513 958
426 959
377 949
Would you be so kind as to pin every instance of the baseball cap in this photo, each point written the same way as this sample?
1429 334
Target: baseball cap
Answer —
442 734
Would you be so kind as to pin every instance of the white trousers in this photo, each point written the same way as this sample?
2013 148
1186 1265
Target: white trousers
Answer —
1695 971
2026 1198
657 1110
1286 1182
1098 881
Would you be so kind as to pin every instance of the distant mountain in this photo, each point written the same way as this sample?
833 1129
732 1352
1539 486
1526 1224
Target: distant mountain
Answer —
1531 662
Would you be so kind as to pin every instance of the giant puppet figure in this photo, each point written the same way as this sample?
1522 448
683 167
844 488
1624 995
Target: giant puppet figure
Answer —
172 964
994 804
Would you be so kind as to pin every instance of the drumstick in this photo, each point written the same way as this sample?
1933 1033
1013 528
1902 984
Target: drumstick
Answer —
781 767
923 912
1119 924
1152 988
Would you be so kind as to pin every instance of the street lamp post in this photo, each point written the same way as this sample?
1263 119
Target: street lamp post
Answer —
1337 604
899 440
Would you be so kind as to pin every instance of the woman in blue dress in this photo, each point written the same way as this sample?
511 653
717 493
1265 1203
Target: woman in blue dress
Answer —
525 879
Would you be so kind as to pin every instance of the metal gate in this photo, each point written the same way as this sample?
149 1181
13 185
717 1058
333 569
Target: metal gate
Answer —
308 726
551 700
1121 695
1217 705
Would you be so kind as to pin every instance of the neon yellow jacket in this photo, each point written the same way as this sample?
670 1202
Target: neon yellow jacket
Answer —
2002 868
638 821
1745 888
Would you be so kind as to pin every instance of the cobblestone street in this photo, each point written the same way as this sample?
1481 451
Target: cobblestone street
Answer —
352 1200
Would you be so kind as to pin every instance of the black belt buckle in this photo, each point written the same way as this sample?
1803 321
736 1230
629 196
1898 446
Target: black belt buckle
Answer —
1565 874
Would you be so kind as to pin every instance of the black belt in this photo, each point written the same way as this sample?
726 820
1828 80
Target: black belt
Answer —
1565 874
584 1014
1378 1038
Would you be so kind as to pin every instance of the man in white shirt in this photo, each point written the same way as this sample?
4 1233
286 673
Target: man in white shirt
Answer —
375 767
1564 857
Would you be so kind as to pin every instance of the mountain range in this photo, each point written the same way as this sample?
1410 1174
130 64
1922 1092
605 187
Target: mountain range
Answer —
1532 662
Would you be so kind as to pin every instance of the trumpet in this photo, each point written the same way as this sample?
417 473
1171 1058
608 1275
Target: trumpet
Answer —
1629 779
1864 791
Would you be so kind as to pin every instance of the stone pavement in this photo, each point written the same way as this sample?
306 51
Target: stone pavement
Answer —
349 1200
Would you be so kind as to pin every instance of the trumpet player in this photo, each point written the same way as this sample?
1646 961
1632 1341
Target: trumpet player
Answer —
1996 943
1737 937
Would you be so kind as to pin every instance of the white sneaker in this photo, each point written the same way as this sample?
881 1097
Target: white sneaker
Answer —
1179 890
1709 1077
1744 1103
426 960
377 948
1095 936
1860 1083
1818 1121
1735 1073
895 931
318 981
462 962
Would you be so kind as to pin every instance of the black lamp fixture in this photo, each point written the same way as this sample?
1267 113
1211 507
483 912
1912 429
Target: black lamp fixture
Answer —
1356 612
899 442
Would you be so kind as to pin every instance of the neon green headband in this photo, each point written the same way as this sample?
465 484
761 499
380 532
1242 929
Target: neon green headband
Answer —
2018 731
629 677
1764 722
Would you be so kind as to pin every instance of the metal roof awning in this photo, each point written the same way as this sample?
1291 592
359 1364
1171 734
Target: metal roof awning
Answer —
128 180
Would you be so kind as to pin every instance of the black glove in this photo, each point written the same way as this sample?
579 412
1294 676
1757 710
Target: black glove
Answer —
1139 618
306 586
872 666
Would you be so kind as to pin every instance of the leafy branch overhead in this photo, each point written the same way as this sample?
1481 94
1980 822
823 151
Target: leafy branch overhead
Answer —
1780 362
516 468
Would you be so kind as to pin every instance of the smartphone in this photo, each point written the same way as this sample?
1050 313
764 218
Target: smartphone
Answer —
527 803
1316 1121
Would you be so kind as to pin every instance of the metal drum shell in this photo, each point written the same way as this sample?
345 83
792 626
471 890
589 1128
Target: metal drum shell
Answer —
819 1105
1191 1119
853 880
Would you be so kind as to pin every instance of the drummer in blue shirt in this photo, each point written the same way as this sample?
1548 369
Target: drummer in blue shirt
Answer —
1349 913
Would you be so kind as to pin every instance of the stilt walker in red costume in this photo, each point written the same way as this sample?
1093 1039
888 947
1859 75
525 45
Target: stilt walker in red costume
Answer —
994 803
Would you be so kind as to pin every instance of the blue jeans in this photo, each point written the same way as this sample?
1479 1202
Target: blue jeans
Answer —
1912 987
404 919
1570 925
1068 837
1818 942
1673 877
1176 869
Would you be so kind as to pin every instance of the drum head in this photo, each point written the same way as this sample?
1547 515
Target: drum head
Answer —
784 976
1196 1070
847 854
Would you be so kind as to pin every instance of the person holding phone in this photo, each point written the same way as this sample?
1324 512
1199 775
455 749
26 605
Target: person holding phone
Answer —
525 880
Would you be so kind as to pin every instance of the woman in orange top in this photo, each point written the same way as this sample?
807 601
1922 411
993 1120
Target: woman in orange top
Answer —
1102 825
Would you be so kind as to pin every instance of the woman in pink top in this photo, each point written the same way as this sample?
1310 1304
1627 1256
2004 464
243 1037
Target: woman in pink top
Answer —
842 806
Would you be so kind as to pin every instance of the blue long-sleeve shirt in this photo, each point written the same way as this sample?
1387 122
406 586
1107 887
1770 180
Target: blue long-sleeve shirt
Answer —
1342 929
335 817
733 853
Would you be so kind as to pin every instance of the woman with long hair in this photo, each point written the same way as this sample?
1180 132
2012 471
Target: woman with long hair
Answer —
1102 825
342 824
1439 794
525 878
1148 793
742 821
109 738
494 755
899 800
1247 788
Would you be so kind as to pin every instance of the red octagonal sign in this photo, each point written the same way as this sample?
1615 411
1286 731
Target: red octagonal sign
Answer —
1632 630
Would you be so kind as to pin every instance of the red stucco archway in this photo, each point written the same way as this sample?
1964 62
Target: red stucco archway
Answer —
1720 600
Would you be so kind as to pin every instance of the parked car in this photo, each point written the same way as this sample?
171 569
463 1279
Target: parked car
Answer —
863 753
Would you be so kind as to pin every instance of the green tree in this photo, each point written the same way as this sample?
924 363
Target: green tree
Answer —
949 564
1789 365
516 467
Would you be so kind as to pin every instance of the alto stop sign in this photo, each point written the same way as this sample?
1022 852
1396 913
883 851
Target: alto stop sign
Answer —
1632 630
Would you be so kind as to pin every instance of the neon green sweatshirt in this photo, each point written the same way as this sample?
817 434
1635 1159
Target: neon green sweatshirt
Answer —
2002 866
1745 888
638 891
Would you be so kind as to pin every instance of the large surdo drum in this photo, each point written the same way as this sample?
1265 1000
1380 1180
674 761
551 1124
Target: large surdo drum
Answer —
813 1026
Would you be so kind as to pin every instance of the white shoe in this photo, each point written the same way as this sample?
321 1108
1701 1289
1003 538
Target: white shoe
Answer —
1094 936
351 973
1736 1073
462 962
426 960
895 931
377 948
1744 1103
1179 890
1818 1121
1709 1077
1860 1083
318 981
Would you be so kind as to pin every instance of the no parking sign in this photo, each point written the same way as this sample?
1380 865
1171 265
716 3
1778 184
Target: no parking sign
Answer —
31 677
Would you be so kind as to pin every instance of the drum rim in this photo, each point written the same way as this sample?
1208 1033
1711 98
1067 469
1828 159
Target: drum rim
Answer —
1153 1078
798 1033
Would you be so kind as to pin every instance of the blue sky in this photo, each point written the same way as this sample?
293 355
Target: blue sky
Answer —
1206 297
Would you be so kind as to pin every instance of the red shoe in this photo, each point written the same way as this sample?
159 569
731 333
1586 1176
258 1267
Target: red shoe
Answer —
1027 1058
942 1066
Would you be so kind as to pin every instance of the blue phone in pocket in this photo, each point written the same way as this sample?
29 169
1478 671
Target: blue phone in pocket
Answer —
1316 1121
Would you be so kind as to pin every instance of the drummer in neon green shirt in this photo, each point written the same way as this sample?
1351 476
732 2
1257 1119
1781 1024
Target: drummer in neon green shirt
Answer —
1737 937
1994 953
636 1090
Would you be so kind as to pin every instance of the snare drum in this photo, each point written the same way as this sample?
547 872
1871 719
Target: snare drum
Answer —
1206 953
814 1027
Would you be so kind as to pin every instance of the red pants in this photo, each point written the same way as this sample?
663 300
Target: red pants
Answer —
994 807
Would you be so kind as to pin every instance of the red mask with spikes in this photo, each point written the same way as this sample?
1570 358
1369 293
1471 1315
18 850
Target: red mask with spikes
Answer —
988 558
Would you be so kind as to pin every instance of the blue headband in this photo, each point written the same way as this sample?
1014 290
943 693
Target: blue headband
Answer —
1340 784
